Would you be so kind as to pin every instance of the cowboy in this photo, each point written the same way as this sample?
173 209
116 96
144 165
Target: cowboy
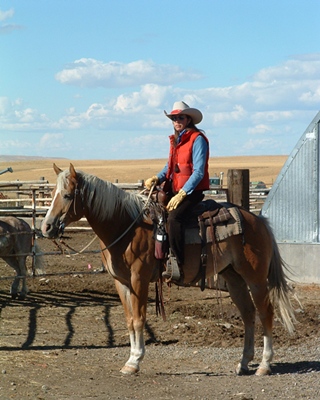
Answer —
187 173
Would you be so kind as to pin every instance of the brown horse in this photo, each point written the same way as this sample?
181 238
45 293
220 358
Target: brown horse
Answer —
15 246
255 275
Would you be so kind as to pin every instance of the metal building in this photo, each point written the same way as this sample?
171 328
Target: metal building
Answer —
293 207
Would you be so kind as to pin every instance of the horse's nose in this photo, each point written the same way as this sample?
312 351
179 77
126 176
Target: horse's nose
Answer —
44 228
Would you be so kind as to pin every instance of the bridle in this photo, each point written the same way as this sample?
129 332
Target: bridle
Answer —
72 200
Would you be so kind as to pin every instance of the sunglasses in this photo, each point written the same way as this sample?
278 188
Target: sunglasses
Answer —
178 118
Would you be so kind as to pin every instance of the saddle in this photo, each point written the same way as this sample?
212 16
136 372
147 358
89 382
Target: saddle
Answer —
209 222
212 222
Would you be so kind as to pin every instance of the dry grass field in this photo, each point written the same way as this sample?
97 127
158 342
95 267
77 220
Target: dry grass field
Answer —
264 168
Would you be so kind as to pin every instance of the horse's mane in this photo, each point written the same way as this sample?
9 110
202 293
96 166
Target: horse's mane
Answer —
104 198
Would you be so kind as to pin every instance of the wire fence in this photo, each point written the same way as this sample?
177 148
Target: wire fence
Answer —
32 200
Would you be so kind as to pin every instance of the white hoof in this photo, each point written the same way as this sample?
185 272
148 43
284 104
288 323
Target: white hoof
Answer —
129 370
263 371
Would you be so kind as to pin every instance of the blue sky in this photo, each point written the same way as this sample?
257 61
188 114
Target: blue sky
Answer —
90 79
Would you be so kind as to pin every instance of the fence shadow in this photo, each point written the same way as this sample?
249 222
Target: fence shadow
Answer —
70 302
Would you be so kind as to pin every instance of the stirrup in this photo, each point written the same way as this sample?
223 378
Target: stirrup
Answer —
172 272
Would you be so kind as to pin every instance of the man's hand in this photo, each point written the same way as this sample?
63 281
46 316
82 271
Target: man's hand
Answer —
176 200
151 182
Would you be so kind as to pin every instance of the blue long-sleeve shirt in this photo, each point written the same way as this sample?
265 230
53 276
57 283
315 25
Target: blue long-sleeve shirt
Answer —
199 156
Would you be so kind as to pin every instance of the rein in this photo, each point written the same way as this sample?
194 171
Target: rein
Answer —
128 229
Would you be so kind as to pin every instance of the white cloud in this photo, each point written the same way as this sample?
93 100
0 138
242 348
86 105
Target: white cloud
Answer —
149 97
298 68
272 116
4 105
52 141
259 129
238 113
6 14
28 115
311 96
257 116
88 72
14 116
7 28
14 144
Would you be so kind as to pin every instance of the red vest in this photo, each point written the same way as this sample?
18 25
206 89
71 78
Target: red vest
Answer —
180 166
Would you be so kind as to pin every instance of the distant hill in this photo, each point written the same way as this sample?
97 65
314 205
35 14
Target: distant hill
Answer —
4 158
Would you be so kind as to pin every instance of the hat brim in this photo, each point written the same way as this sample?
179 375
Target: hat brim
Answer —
195 114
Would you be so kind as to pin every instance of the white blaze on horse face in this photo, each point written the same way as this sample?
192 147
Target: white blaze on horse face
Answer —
57 193
52 203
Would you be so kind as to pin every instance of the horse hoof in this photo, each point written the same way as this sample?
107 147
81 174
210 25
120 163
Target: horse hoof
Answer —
240 371
263 371
21 297
129 370
14 295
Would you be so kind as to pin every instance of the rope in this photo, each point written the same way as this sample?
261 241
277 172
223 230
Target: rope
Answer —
75 251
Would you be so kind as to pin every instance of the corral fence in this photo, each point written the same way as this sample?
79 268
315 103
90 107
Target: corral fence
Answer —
30 200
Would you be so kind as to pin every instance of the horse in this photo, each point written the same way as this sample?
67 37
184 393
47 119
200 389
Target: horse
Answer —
15 246
251 265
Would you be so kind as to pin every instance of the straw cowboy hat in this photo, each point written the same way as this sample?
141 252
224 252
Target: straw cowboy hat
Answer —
180 107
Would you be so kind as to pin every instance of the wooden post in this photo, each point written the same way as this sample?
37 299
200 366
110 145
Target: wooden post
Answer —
41 193
238 187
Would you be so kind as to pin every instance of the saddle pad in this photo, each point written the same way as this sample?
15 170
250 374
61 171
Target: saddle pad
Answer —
222 230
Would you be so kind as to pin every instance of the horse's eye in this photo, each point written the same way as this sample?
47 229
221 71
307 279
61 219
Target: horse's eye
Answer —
68 196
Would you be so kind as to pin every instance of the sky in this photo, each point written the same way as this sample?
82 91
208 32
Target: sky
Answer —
85 80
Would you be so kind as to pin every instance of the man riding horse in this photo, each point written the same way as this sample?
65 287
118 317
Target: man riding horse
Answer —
185 177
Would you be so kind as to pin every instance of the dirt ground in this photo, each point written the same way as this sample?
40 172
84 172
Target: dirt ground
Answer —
68 339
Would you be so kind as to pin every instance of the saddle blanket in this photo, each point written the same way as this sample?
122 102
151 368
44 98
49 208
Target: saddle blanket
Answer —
230 224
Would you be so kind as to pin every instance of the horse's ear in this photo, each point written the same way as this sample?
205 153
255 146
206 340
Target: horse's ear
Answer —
57 170
72 171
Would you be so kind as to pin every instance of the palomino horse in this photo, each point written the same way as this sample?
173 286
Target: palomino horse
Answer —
15 246
121 221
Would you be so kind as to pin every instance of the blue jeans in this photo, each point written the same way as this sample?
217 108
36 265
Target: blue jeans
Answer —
175 223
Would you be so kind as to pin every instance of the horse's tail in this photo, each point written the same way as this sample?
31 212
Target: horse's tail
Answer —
38 260
279 289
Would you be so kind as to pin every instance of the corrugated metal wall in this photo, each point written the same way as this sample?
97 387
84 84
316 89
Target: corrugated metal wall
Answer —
292 205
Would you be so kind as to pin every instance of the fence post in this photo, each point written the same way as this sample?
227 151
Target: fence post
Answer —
238 187
41 193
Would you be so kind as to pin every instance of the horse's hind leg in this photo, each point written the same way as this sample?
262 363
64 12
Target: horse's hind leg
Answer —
262 302
240 295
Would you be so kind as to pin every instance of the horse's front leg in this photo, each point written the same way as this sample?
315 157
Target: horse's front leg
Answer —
15 287
24 289
23 274
14 263
135 317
